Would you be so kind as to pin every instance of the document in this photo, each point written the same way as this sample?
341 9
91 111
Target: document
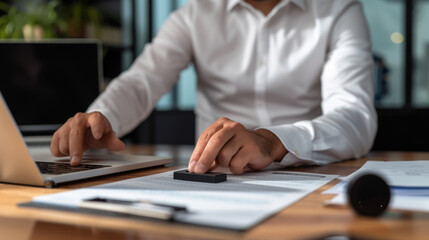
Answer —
341 187
398 173
408 182
239 203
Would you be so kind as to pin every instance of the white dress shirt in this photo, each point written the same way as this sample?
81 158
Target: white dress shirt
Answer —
303 72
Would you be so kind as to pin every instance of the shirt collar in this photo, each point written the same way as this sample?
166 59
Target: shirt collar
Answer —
299 3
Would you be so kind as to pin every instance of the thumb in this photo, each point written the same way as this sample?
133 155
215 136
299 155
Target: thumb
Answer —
114 143
213 167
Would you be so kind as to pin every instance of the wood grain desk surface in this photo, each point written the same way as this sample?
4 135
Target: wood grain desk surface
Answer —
306 219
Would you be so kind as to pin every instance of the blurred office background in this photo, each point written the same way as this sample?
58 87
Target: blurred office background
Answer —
399 34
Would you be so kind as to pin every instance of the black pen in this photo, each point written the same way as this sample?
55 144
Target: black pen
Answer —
137 208
129 202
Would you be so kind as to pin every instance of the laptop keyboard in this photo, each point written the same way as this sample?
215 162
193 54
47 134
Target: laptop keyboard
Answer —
62 168
38 144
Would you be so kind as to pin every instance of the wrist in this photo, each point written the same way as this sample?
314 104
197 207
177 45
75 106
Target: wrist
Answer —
273 144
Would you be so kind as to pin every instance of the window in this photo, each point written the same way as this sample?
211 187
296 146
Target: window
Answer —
182 96
386 24
421 54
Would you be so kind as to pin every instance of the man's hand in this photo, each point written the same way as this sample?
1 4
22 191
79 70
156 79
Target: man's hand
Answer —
226 143
82 132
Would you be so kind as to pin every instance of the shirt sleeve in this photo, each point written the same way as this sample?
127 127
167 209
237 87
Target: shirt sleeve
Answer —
130 97
347 127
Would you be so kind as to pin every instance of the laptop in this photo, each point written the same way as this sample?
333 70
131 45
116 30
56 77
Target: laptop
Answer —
46 82
19 166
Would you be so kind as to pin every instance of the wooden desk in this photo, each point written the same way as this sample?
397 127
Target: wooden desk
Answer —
307 219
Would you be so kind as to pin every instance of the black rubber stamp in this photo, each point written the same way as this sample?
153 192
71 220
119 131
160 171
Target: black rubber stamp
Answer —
209 177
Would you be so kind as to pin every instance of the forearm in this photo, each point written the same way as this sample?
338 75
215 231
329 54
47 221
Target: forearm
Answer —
125 102
131 97
343 134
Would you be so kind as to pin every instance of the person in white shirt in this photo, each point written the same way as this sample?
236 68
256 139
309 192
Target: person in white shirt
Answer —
285 82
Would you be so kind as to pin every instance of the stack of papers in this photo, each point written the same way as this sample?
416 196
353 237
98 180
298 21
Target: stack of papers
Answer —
239 203
408 181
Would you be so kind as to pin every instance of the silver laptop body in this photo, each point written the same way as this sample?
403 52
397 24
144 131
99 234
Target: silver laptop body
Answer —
20 166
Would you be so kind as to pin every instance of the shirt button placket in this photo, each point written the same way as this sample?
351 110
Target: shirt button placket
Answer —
261 75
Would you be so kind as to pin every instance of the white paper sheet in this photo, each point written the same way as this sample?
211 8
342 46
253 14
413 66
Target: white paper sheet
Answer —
239 203
397 202
341 187
398 173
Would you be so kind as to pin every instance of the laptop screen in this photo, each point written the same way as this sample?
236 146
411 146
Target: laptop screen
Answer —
44 83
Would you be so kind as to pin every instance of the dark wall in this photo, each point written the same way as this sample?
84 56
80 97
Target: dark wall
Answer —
166 127
402 130
398 129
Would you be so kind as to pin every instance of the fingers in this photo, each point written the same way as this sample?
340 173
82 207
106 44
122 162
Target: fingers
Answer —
97 123
201 144
239 162
208 145
55 143
216 144
76 145
226 143
212 149
102 135
100 127
59 143
76 139
83 131
228 151
213 167
114 143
